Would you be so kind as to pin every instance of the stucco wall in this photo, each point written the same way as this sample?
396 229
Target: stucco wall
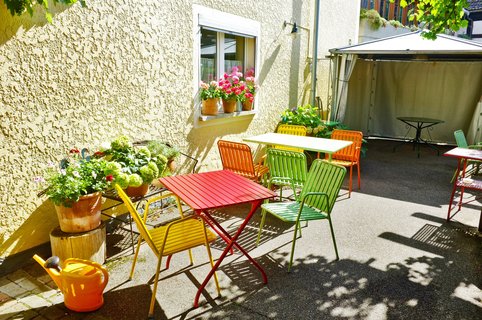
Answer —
120 67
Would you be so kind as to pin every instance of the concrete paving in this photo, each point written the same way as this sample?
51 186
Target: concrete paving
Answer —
399 259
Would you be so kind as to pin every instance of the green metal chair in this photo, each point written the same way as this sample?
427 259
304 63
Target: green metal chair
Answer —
287 168
462 143
315 202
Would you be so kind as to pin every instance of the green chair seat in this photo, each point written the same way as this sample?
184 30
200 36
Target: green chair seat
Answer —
288 211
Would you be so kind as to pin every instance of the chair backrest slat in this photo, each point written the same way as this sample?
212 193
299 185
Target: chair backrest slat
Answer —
351 152
292 129
237 157
323 177
460 139
289 164
137 218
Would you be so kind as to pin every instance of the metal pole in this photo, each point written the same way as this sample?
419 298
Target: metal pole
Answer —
314 60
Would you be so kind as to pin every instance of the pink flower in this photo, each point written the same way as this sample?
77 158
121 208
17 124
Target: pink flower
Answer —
109 178
234 69
225 76
204 86
249 73
235 79
213 83
239 74
74 150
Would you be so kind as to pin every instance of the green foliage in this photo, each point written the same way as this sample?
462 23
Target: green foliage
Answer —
140 165
437 15
18 7
159 148
307 116
373 17
77 175
209 91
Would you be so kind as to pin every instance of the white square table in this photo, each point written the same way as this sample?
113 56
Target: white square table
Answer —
328 146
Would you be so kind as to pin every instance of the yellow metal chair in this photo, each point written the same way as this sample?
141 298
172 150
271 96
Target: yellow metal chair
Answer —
292 129
165 240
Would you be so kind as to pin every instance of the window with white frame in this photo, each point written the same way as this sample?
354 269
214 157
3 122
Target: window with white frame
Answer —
221 51
223 41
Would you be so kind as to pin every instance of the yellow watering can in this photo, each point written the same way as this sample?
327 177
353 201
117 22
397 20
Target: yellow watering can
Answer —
81 281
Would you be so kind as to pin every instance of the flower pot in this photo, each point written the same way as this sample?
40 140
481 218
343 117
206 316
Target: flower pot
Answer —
229 106
172 165
84 215
210 107
247 105
139 191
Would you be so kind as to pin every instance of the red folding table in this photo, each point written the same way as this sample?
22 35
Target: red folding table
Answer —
218 189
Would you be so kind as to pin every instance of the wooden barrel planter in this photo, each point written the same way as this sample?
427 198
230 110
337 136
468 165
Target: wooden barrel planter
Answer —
90 245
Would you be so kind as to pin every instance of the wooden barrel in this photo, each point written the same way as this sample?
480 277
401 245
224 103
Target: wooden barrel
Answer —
90 245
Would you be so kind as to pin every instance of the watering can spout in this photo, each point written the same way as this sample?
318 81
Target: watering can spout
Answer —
82 282
52 269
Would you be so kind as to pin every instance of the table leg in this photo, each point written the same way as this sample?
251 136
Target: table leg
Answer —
231 243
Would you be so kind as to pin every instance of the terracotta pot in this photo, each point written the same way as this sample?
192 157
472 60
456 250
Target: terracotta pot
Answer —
210 107
247 105
229 106
139 191
84 215
172 165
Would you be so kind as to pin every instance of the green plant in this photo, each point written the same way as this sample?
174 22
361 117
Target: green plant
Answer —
18 7
306 116
209 91
75 176
437 15
135 166
373 17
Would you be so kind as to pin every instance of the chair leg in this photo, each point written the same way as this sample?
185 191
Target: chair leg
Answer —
350 182
293 245
208 249
261 225
135 258
359 178
154 290
333 238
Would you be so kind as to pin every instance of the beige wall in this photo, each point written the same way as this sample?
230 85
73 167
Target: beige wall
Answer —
120 67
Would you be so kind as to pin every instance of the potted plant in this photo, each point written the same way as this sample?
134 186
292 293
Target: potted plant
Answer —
210 94
158 148
132 168
247 96
231 88
75 188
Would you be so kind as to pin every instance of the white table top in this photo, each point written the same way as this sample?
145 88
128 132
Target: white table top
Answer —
306 143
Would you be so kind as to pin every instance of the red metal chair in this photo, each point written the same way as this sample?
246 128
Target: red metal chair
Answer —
237 157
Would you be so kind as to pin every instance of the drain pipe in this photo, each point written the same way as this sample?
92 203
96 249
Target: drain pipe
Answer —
314 59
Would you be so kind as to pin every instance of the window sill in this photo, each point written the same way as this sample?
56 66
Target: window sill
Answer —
226 115
224 118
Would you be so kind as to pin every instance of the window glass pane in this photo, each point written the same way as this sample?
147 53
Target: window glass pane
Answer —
208 55
233 52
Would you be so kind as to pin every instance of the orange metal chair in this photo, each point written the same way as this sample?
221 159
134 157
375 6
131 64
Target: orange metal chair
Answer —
349 156
237 157
292 129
